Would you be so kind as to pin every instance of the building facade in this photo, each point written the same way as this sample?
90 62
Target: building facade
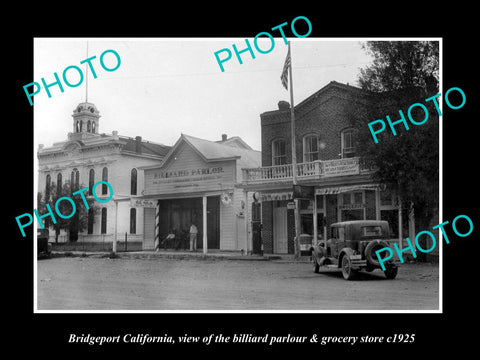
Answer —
87 157
197 183
340 186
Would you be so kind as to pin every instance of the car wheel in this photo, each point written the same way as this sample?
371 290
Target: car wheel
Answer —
316 267
391 272
347 271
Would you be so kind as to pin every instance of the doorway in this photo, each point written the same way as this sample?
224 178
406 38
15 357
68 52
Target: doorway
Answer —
280 241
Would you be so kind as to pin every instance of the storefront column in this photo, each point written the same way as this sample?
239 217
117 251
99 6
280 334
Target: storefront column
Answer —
400 223
245 198
377 204
204 212
315 222
411 222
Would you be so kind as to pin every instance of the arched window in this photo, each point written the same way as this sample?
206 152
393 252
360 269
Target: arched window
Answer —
59 183
310 148
348 142
91 181
104 178
133 182
133 221
77 126
81 126
47 187
103 229
94 124
91 219
89 126
279 156
74 179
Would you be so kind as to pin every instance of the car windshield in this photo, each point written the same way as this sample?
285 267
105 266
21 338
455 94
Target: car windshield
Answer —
371 231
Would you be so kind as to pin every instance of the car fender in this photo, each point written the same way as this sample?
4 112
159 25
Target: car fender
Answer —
345 251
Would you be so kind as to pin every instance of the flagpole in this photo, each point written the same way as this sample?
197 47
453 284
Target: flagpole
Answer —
292 118
294 160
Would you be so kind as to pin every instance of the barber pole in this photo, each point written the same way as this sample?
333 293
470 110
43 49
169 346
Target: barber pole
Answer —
157 226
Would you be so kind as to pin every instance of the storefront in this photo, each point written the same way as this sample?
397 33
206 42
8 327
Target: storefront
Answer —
348 193
196 184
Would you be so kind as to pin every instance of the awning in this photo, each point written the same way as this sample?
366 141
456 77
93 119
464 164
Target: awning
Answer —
343 189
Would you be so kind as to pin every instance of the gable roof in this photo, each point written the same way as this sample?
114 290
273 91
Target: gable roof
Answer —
211 151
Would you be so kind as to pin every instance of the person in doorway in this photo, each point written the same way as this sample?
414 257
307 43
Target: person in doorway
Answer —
193 237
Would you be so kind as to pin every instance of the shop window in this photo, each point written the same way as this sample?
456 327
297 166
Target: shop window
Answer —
358 198
279 156
348 143
133 221
310 148
347 198
386 198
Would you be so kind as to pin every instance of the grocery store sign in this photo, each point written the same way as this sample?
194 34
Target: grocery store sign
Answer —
341 167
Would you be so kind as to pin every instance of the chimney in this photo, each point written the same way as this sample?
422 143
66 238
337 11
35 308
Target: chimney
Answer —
283 105
138 144
224 137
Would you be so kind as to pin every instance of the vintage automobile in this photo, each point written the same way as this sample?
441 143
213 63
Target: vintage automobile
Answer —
352 248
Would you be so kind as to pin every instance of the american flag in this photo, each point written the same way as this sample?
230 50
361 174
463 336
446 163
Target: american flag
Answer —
284 75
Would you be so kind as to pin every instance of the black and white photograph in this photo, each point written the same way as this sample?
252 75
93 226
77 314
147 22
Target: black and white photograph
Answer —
195 202
282 185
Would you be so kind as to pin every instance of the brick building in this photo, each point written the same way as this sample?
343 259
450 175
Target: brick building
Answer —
342 187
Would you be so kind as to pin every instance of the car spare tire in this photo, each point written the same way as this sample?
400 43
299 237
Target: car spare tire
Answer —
370 250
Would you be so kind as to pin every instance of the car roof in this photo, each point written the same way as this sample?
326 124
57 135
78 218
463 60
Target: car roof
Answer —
360 222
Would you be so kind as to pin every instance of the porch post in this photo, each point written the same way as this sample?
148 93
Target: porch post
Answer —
204 212
400 223
245 198
315 222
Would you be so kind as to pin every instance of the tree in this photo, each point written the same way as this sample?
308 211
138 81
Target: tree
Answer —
76 223
403 73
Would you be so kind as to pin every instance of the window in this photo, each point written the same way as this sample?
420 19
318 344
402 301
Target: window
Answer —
310 148
93 127
279 156
47 187
91 181
348 143
103 229
133 182
59 183
371 231
91 214
77 126
104 178
74 179
89 126
133 221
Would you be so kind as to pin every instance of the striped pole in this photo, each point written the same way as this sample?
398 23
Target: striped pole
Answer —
157 225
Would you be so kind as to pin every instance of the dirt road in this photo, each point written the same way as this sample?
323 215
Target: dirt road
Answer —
186 284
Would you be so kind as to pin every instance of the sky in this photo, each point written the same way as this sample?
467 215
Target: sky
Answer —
168 86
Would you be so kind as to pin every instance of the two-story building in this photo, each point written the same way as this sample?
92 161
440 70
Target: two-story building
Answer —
88 156
340 186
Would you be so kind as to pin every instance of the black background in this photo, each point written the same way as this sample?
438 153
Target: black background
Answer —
48 334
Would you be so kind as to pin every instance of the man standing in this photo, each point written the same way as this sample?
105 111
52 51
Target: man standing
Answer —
193 237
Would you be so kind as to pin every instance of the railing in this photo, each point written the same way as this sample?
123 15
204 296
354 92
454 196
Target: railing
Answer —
309 170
